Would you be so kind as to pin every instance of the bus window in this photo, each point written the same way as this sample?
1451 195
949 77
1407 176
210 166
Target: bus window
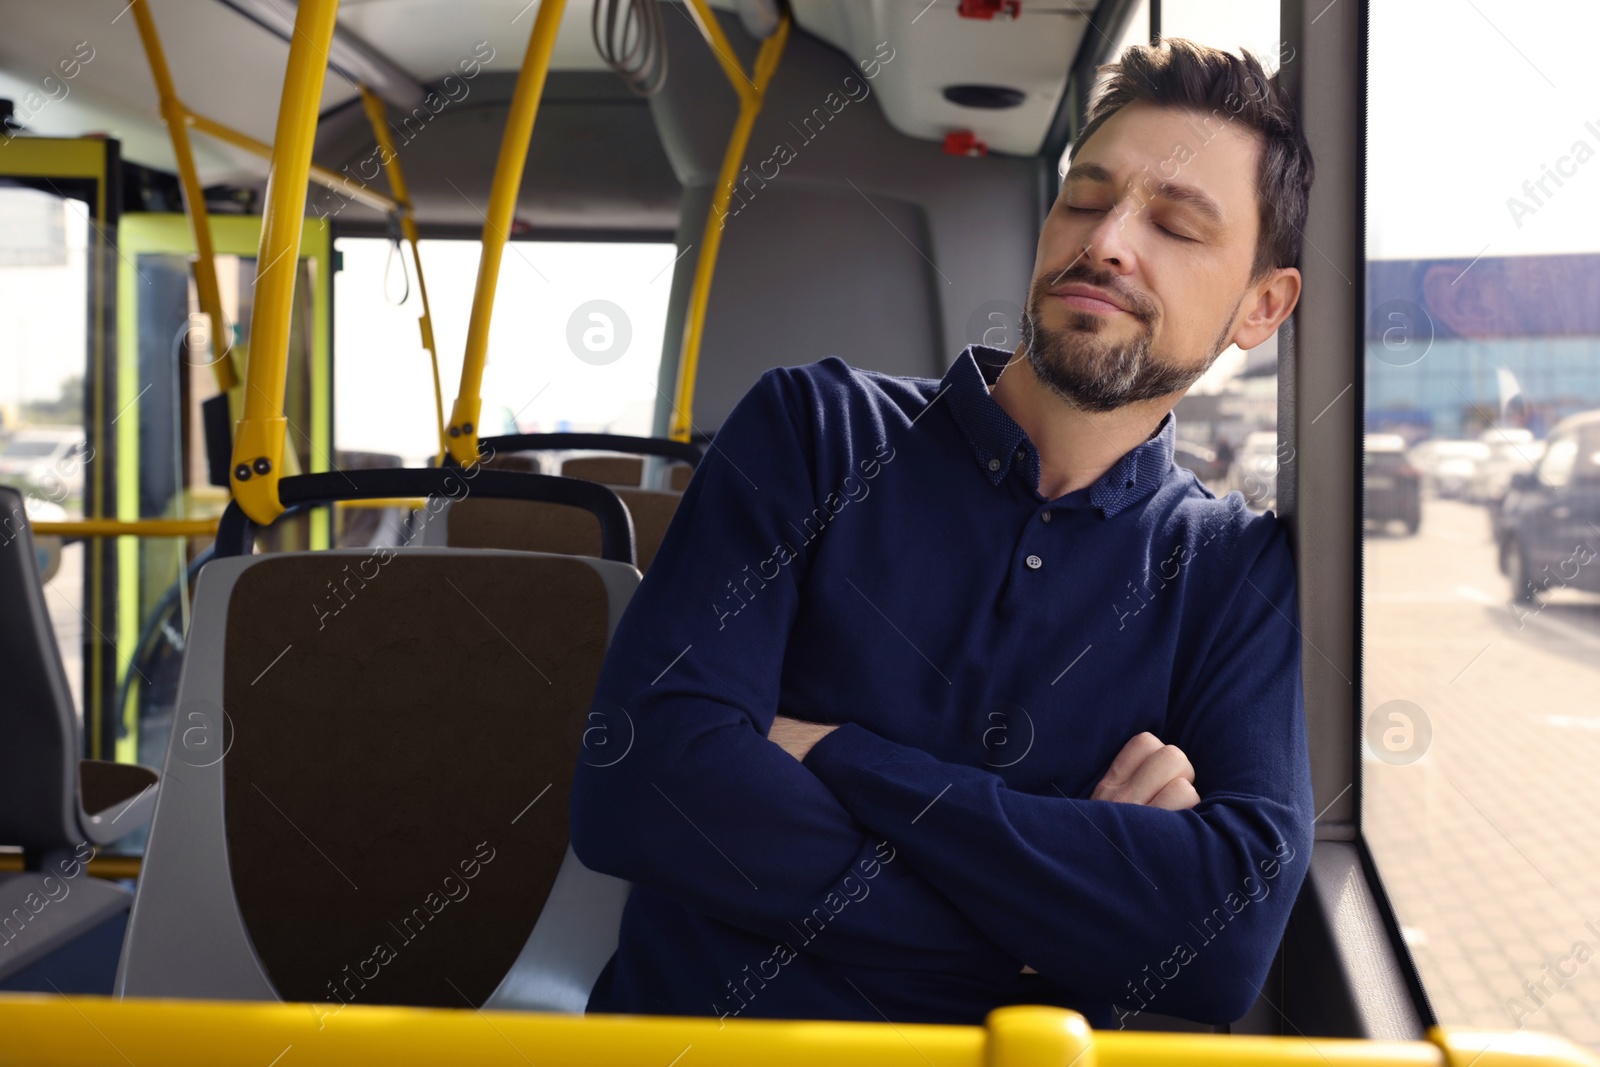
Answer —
1481 621
575 344
44 272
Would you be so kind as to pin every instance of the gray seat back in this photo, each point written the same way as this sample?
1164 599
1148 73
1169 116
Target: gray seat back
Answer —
40 750
373 752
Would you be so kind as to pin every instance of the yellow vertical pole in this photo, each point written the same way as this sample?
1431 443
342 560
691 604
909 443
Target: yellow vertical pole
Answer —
379 117
463 428
751 92
205 267
258 445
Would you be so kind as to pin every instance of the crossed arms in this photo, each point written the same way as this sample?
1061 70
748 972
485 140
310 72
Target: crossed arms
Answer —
1144 772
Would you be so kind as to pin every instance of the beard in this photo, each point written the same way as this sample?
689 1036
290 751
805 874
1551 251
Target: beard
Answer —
1091 371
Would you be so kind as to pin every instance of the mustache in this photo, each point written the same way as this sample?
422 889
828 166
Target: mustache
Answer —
1137 303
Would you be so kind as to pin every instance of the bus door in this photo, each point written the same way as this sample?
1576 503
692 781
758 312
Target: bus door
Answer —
165 375
59 207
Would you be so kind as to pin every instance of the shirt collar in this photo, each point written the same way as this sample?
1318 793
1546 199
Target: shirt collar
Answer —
998 442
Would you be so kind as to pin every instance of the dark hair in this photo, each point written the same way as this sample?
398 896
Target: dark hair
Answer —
1179 73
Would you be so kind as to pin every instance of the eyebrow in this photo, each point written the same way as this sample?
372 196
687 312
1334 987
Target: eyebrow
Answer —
1186 195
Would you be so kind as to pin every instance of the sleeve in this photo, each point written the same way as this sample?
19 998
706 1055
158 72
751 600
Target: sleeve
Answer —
1181 912
701 806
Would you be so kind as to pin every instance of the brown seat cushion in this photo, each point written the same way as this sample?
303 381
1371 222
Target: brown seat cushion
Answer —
608 470
103 785
535 526
404 736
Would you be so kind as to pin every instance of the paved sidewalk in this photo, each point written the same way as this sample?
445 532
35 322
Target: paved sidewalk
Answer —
1489 844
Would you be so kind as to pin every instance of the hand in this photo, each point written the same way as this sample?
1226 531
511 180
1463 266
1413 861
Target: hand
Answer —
1150 773
796 736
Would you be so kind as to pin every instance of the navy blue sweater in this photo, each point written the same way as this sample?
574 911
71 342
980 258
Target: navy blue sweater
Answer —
873 551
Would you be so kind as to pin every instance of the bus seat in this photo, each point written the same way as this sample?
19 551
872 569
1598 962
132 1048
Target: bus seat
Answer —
622 465
607 470
623 470
526 462
55 806
535 526
380 813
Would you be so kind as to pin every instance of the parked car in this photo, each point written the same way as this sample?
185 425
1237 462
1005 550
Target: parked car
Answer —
50 461
1200 459
1547 527
1512 450
1391 486
1255 470
1448 467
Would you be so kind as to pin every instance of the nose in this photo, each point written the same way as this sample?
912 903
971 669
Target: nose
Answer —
1109 244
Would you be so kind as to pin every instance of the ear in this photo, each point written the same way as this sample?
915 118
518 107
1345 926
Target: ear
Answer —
1269 302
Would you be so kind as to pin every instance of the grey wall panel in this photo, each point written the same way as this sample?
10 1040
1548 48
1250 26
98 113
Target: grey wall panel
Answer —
868 295
966 228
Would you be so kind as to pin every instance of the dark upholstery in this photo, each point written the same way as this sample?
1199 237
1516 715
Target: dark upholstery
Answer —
524 525
38 733
365 784
526 462
652 513
608 470
529 526
103 784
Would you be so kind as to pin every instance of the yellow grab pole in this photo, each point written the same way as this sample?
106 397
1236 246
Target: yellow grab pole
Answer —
258 445
205 267
350 190
751 93
379 117
462 431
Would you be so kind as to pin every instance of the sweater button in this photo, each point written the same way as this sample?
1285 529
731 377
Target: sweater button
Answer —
1034 563
994 464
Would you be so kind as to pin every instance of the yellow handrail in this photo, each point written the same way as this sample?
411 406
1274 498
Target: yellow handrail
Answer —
751 92
128 528
324 177
112 867
80 528
463 427
205 267
84 1030
379 117
379 502
258 444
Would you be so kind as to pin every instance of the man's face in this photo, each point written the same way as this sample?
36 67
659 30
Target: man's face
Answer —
1170 221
